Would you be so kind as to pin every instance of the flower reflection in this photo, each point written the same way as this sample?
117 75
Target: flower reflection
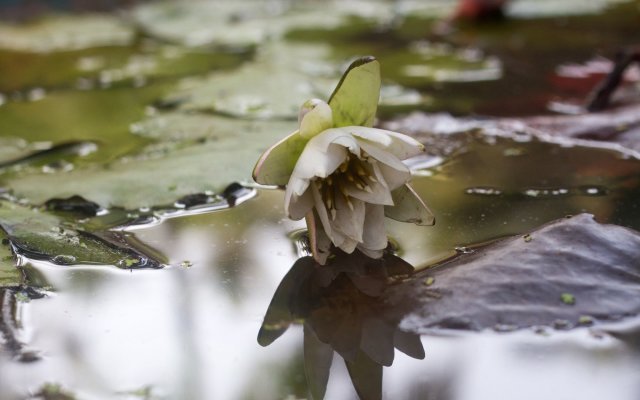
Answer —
343 309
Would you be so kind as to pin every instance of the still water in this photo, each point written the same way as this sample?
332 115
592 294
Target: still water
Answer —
142 100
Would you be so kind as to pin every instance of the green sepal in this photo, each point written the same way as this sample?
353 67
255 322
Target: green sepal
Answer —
354 102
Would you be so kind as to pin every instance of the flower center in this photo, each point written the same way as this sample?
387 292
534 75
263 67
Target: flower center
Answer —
352 172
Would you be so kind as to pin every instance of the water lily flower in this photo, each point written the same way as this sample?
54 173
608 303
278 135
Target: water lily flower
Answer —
343 175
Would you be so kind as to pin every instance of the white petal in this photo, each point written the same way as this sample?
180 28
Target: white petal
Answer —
374 236
336 237
393 177
409 207
315 163
383 156
378 192
298 206
401 146
349 222
318 239
321 209
348 246
371 253
341 136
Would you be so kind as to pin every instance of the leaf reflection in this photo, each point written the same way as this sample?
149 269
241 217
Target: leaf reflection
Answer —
343 310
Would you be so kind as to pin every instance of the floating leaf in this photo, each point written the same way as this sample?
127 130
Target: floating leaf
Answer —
66 33
574 267
194 153
39 235
274 85
9 274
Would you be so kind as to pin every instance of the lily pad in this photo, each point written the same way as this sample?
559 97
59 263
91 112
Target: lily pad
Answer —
9 274
195 153
249 23
274 85
66 33
519 283
40 235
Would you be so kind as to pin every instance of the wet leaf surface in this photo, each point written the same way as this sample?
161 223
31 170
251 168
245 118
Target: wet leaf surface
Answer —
196 153
519 283
42 236
9 273
66 33
178 100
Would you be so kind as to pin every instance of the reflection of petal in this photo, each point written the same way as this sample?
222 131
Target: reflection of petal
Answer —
377 341
279 316
277 163
409 343
409 207
317 363
366 376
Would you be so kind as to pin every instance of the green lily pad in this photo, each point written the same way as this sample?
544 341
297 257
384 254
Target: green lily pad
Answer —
9 274
39 235
249 23
194 153
425 62
66 33
274 85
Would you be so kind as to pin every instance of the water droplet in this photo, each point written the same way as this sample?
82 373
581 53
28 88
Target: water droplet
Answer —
130 262
463 250
562 324
546 192
504 328
63 259
593 190
513 152
586 320
36 94
483 191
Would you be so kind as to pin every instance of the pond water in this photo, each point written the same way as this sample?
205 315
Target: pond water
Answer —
156 284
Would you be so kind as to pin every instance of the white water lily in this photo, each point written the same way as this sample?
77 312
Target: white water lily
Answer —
341 174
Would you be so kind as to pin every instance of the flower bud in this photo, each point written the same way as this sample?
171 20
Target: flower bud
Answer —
315 116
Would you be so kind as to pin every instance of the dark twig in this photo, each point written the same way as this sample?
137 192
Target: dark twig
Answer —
599 98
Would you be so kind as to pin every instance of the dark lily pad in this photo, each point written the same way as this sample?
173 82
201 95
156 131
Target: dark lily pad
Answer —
9 274
39 235
526 281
